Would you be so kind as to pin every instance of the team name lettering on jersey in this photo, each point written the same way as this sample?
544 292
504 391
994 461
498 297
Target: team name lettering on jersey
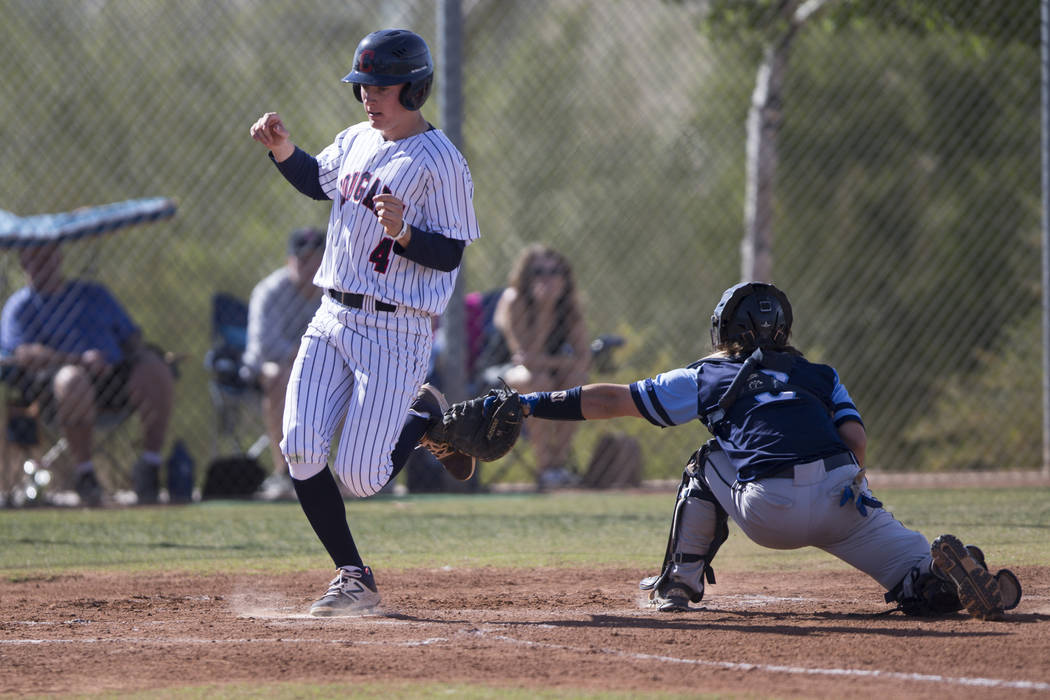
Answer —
361 187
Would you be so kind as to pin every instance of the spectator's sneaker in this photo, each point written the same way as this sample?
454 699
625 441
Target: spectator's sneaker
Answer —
431 403
89 490
351 592
555 478
277 487
146 479
978 589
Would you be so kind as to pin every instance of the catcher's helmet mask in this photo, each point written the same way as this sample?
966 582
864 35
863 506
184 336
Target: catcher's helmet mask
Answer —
393 57
752 314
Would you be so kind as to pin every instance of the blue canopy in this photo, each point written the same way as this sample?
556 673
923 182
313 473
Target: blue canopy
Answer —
21 231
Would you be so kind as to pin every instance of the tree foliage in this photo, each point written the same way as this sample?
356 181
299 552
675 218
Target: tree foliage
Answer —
910 195
1000 21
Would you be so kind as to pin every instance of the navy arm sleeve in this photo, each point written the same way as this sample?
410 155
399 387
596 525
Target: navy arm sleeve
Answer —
301 170
432 250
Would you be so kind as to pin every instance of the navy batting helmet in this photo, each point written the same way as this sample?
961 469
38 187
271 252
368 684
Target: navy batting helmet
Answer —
392 57
754 314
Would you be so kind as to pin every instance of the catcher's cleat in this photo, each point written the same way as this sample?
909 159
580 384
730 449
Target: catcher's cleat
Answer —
977 554
1009 586
672 598
351 592
431 403
978 590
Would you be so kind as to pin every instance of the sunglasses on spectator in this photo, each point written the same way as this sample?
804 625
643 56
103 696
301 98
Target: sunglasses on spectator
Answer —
306 251
546 271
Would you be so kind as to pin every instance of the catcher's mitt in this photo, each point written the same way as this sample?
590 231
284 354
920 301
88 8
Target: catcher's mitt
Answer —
485 427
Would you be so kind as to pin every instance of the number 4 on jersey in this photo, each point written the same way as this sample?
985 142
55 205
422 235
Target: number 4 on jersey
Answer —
380 256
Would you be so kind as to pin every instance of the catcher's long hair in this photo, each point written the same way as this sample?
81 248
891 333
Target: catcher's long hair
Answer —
739 351
539 259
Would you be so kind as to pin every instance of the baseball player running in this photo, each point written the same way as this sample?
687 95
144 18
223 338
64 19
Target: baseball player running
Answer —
786 463
402 214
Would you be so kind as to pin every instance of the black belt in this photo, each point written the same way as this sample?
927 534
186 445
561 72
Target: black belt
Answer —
830 463
357 301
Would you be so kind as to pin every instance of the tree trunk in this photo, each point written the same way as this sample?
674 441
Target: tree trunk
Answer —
763 127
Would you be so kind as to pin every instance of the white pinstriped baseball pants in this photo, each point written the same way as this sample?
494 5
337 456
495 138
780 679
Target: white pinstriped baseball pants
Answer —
366 366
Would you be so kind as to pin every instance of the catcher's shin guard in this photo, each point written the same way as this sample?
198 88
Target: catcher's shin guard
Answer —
924 594
699 526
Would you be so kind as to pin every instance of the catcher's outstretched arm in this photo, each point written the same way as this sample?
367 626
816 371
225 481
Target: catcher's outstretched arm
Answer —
590 402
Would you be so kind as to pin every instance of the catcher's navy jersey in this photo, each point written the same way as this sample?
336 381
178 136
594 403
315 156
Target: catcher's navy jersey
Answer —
765 431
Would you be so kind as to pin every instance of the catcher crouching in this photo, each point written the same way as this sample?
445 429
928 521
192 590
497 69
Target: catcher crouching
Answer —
785 461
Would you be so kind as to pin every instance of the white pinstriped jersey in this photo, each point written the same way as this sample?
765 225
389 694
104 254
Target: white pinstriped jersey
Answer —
430 176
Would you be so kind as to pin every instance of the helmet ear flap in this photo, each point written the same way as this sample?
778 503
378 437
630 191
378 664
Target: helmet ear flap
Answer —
414 94
357 92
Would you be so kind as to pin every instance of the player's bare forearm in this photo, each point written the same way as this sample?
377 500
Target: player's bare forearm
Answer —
34 356
598 401
856 439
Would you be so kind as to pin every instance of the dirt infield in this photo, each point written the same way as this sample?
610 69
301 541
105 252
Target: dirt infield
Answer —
784 635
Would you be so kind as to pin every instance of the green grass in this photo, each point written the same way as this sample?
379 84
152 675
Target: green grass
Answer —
561 529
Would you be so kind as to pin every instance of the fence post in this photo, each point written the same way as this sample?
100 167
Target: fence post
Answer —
1045 89
450 93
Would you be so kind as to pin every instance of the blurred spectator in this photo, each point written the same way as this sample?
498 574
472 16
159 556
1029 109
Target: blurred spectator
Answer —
279 310
539 316
73 347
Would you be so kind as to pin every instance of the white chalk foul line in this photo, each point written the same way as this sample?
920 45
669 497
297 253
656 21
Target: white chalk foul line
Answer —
798 670
200 640
729 665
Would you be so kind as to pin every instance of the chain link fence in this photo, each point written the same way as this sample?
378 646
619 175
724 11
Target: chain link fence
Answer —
903 212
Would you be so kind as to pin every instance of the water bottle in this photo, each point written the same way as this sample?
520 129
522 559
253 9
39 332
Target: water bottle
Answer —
180 474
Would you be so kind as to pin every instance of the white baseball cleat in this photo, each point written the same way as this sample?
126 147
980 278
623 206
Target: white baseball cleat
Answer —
351 592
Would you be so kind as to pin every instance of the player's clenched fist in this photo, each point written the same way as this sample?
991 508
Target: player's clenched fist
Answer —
270 131
391 214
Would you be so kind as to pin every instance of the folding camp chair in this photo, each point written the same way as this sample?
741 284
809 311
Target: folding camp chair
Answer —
35 454
234 389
